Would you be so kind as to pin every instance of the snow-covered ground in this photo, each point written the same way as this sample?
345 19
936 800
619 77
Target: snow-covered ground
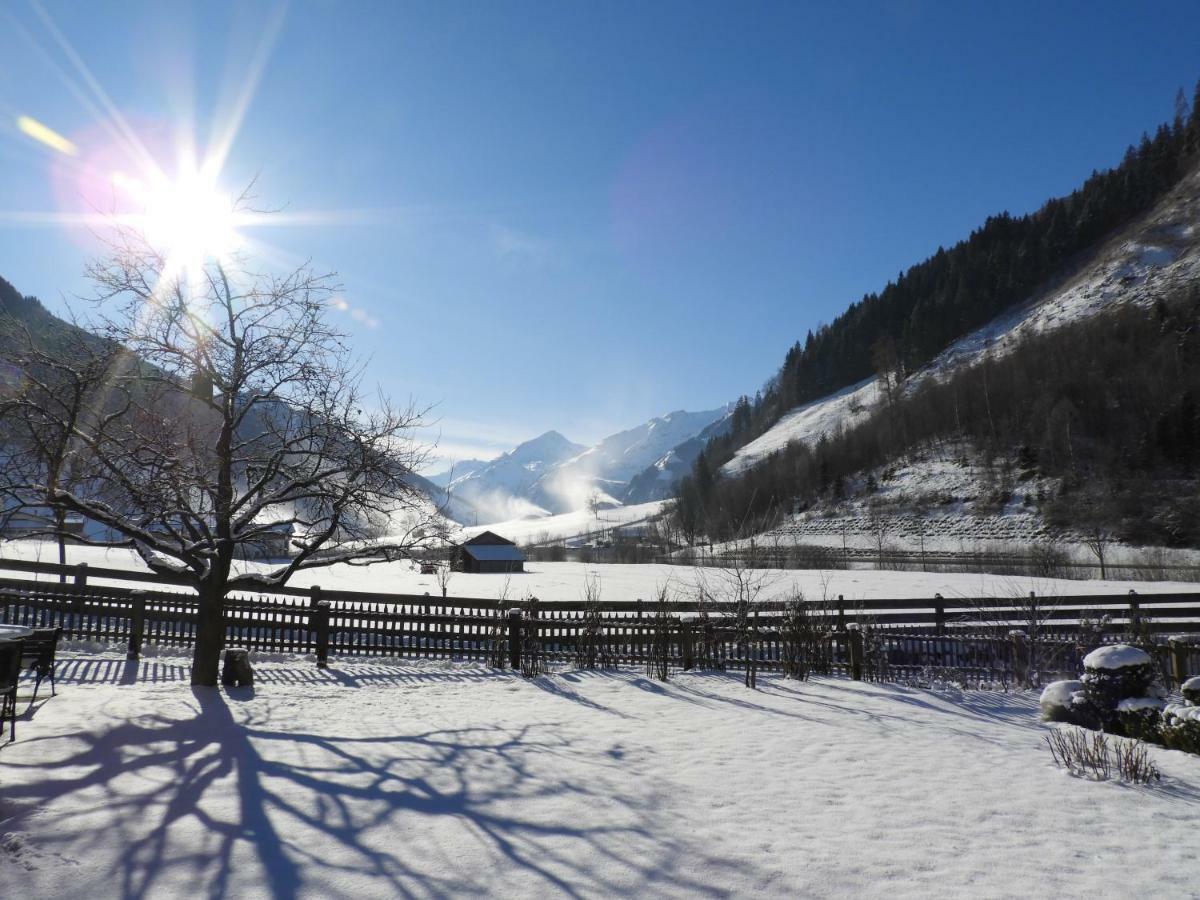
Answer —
374 779
621 581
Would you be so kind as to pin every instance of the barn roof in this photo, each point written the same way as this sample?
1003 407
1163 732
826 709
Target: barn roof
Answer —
488 537
494 552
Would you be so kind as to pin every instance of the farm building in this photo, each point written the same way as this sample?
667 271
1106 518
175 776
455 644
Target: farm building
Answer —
488 552
23 521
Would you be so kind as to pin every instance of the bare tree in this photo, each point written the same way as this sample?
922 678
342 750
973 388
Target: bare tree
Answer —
61 389
806 629
880 525
236 414
1096 537
662 628
445 566
736 588
1031 622
591 648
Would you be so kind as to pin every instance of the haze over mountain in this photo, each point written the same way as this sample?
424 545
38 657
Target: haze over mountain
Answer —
550 474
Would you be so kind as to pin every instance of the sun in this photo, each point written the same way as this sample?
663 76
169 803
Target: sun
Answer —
187 218
191 218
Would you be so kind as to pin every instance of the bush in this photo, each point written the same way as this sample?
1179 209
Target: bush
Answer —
1115 673
1134 764
1180 727
1082 754
1090 755
1141 718
1065 701
1191 691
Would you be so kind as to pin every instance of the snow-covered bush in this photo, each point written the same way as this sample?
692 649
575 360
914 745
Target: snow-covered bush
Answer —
1115 673
1065 701
1180 728
1141 718
1191 691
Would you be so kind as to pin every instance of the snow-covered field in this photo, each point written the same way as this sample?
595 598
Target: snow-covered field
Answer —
374 779
620 581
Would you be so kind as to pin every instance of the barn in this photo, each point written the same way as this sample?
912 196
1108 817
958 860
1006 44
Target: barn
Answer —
488 552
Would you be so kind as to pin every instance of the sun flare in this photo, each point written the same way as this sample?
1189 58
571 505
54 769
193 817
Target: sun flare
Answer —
188 219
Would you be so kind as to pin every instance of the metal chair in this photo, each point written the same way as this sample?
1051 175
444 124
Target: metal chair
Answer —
40 656
10 674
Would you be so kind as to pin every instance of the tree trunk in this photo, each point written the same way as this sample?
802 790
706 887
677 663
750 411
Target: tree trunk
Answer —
210 635
60 525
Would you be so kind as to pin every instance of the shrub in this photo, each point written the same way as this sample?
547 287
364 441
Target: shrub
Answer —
1180 727
591 648
1065 701
1090 755
1083 754
804 634
1115 673
1134 764
1141 718
1191 691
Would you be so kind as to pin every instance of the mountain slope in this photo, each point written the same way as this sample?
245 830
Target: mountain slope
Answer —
657 481
1148 259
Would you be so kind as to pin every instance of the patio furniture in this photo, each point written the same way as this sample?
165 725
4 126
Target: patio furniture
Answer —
39 654
10 674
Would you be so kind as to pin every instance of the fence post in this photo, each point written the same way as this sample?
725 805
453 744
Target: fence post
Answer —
137 624
685 644
939 615
81 571
319 622
1135 616
856 652
1020 656
514 639
841 610
1179 672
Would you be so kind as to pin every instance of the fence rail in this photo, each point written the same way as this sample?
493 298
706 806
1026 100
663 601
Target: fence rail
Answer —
976 639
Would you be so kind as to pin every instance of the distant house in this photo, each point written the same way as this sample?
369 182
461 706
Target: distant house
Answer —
26 520
487 553
273 543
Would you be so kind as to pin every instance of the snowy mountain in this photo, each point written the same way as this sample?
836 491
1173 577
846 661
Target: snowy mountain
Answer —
656 481
502 488
551 475
458 470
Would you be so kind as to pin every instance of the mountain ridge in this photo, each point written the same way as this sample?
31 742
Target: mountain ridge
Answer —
550 474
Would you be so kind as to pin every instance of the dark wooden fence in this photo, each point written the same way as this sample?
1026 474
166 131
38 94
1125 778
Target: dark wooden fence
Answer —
969 639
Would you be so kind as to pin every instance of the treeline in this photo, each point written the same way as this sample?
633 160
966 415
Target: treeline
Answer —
955 291
1109 405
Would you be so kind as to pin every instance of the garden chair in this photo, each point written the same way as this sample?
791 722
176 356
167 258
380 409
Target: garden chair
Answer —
39 655
10 674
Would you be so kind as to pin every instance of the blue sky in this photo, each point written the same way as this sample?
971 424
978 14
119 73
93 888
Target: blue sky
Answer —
580 215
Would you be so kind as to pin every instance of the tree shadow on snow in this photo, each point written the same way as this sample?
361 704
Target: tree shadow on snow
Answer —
315 808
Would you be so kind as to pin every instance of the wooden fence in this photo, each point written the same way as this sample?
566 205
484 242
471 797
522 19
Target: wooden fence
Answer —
974 640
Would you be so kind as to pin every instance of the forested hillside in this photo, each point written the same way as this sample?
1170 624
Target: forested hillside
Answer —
1106 405
954 291
1109 406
